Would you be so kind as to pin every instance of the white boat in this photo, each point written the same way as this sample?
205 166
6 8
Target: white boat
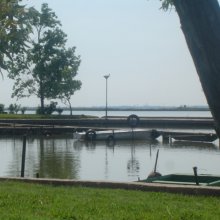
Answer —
120 134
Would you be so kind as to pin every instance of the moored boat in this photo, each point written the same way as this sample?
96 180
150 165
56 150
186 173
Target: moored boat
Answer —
196 137
120 134
185 179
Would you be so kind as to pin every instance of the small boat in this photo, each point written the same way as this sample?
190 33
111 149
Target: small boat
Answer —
196 137
120 134
185 179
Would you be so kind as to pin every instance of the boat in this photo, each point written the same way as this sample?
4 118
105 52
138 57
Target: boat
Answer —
185 179
118 134
196 137
194 144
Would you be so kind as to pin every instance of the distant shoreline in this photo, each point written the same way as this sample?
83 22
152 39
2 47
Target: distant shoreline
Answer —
180 108
141 109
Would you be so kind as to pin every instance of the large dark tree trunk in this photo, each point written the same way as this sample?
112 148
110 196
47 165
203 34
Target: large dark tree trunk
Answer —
200 21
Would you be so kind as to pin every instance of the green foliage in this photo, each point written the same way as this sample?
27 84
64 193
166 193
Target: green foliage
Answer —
14 30
47 69
23 110
40 111
11 109
14 108
166 4
59 111
48 110
2 107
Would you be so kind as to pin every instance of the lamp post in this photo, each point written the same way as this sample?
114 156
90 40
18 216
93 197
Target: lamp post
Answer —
106 97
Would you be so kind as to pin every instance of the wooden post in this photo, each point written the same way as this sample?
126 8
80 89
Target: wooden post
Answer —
165 138
23 156
196 175
155 166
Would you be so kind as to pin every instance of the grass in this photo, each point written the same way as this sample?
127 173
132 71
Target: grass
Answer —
30 201
35 116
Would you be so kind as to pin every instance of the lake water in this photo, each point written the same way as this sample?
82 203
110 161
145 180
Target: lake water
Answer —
125 161
64 157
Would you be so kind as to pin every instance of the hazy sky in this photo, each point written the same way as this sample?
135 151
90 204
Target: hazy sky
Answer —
140 46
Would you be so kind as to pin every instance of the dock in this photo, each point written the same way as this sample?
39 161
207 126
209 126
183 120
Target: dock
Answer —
119 121
169 127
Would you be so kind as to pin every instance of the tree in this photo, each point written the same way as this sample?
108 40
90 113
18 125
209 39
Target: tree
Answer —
68 89
14 30
200 23
14 108
59 110
2 107
23 110
66 86
48 110
47 65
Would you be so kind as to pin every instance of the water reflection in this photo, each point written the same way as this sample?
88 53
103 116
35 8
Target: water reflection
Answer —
133 164
57 159
16 147
50 157
63 157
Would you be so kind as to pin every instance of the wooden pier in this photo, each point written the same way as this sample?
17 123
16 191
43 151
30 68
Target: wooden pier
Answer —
61 126
158 122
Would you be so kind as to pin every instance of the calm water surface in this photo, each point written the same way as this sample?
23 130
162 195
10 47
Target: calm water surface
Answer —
64 157
125 161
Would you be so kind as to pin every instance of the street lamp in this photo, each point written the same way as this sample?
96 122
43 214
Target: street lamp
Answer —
106 97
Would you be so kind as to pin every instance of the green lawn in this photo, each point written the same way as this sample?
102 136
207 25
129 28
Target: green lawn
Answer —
30 201
35 116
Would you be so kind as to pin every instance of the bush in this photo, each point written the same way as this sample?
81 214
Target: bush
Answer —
59 111
23 109
14 108
48 110
2 107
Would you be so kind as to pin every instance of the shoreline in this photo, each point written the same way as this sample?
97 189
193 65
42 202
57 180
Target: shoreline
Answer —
151 187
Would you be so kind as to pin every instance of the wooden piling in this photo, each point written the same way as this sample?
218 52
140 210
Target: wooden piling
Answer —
165 138
23 156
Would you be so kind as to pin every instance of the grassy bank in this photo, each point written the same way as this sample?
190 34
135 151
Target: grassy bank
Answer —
35 116
29 201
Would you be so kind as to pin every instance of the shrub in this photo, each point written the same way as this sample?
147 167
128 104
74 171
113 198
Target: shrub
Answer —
48 110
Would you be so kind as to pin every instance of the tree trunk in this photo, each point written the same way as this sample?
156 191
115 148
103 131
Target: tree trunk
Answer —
200 22
71 110
42 98
42 105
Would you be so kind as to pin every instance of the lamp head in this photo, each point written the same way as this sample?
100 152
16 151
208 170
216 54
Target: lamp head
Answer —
106 76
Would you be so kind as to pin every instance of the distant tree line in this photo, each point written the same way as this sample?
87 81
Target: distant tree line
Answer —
15 109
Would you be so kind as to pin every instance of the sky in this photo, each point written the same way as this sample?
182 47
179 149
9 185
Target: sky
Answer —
138 44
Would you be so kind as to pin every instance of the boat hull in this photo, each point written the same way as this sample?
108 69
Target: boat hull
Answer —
140 134
196 137
185 179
